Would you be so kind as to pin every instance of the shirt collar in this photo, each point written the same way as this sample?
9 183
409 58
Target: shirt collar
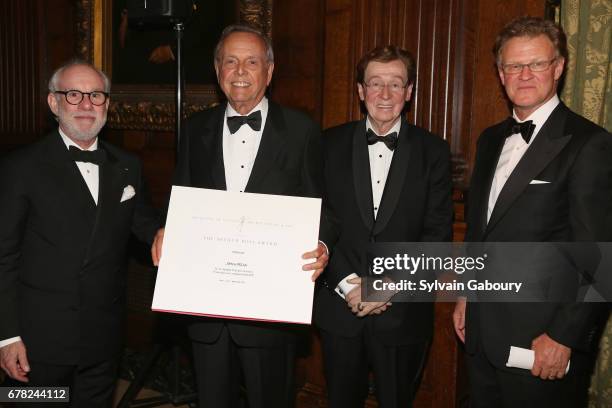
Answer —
262 106
396 127
69 142
540 115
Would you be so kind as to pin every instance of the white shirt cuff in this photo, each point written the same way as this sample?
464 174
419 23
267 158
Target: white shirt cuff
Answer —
344 287
326 247
9 341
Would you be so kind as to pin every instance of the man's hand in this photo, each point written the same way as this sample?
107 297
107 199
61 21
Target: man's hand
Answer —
14 361
156 248
459 318
319 264
551 358
361 309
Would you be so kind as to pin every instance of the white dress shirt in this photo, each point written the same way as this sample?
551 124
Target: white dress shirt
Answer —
90 173
240 148
380 163
514 149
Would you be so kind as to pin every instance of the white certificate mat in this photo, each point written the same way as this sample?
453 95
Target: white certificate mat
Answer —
237 255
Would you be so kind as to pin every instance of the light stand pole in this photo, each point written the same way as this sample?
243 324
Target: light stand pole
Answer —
178 29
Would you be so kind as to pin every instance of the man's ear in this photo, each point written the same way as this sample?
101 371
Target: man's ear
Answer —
270 71
53 104
361 92
500 72
409 92
559 66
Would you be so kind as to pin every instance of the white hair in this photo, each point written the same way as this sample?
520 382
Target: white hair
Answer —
54 81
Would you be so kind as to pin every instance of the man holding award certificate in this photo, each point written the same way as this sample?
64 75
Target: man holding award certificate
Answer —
247 145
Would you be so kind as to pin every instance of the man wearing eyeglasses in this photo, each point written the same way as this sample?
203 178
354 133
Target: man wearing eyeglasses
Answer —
68 206
542 175
385 181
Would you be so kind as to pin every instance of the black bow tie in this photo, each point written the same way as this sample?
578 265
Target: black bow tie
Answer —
524 128
253 120
389 140
94 156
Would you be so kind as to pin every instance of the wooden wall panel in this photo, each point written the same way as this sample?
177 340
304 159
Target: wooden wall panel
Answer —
338 69
59 36
36 36
20 60
297 34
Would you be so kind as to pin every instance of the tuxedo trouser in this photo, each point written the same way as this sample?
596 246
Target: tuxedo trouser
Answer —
493 387
397 370
90 386
221 366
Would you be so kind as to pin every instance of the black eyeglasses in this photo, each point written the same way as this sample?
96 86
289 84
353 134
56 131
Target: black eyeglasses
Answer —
75 97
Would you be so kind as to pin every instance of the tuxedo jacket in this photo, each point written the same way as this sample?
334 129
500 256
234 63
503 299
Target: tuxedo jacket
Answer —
416 206
288 162
575 157
62 257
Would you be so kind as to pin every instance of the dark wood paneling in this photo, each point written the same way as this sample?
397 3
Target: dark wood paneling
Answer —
297 34
20 56
36 36
338 70
59 35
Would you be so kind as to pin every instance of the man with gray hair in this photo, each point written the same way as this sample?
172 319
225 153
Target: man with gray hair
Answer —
68 207
248 144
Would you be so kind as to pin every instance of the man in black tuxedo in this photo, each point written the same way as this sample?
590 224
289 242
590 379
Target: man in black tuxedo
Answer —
249 144
69 204
385 181
542 175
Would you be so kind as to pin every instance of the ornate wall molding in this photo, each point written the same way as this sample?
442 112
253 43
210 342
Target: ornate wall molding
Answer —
130 111
257 13
84 32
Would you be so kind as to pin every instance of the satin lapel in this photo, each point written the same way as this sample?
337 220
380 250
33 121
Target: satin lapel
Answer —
111 183
361 175
79 197
395 179
272 141
213 141
481 187
547 145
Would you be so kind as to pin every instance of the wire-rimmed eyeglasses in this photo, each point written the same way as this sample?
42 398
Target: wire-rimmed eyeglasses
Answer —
536 66
378 86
